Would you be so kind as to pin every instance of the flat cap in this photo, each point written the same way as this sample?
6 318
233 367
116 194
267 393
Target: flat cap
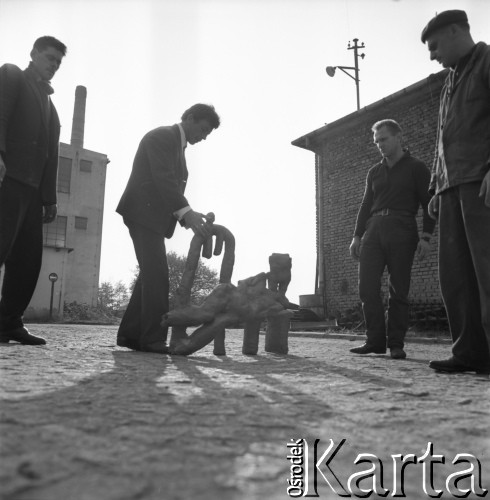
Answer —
443 19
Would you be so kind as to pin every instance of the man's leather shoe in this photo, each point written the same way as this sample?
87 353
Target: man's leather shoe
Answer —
451 365
397 353
368 349
159 347
129 343
22 336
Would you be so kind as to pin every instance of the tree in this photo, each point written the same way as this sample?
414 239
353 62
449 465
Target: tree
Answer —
205 281
112 296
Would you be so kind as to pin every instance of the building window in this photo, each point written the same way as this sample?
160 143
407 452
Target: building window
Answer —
64 174
81 222
85 166
55 233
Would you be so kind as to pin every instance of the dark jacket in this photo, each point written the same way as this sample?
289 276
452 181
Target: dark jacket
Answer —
463 134
155 189
28 141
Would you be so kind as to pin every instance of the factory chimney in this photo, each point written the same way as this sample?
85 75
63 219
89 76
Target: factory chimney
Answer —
78 126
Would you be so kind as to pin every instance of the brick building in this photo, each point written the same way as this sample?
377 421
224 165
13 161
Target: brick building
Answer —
344 152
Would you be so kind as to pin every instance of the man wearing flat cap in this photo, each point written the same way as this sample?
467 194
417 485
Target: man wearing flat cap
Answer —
460 189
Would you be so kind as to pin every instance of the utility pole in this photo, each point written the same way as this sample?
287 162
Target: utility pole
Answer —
355 47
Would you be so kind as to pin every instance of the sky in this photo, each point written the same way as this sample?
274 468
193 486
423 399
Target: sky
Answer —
261 63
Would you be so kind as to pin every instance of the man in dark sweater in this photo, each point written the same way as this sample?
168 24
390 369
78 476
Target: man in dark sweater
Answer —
386 236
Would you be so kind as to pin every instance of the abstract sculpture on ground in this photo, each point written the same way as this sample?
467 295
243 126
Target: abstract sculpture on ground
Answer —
253 300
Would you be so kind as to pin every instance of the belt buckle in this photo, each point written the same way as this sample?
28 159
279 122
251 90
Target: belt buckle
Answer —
385 211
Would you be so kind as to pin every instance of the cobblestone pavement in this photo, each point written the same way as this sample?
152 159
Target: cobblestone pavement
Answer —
82 419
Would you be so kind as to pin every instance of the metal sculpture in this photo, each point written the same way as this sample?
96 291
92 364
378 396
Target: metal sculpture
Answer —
248 303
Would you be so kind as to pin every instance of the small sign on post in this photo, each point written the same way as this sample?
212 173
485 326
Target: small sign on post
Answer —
53 277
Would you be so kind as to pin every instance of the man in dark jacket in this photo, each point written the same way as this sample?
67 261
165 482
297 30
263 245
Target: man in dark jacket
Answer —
386 236
151 205
460 186
29 137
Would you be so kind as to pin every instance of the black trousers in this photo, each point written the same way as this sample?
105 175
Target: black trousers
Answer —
21 249
464 271
150 298
388 243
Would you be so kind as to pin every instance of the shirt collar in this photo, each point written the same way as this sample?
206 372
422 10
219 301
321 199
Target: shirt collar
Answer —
183 140
463 61
406 154
34 76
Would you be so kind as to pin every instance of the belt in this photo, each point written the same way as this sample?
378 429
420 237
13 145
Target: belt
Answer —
392 211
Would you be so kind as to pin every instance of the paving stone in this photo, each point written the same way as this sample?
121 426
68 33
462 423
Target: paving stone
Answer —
83 419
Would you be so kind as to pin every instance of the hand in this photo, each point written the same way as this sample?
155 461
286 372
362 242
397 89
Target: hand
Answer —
50 212
423 249
434 207
485 189
3 169
355 248
196 221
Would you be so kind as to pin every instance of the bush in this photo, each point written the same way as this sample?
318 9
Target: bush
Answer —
83 313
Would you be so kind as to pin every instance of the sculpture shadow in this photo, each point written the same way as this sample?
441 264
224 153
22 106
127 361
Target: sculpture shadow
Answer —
144 424
132 424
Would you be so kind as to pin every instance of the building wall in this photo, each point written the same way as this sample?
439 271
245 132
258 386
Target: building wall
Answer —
87 203
344 153
54 261
75 257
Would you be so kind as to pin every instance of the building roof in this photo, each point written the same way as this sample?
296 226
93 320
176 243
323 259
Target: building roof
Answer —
312 141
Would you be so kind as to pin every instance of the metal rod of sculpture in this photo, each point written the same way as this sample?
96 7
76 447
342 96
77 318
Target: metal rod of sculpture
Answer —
183 295
277 330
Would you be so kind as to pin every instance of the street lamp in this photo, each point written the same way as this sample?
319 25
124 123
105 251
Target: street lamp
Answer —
331 69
